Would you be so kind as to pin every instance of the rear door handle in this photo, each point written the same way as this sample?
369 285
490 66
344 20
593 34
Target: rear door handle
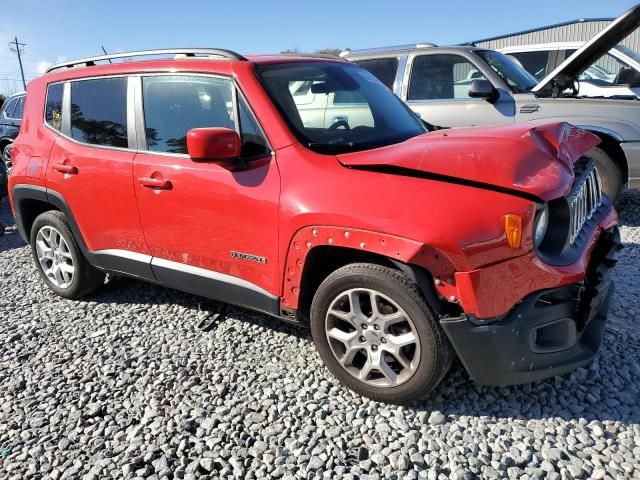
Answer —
63 168
155 182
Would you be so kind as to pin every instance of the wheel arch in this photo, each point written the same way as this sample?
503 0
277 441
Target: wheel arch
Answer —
610 143
316 252
32 200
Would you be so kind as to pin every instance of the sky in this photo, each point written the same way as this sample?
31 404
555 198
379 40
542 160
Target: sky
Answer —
56 30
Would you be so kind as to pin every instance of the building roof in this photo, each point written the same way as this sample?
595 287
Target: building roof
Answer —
539 29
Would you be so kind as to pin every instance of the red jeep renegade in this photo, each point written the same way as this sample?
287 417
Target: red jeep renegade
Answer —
303 188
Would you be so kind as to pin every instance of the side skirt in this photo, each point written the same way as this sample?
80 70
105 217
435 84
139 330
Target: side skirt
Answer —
215 285
187 278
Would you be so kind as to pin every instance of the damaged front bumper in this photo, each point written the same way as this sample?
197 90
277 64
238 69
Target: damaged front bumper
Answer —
551 332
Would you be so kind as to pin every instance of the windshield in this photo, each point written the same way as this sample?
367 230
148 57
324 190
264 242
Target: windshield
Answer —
632 54
338 107
518 79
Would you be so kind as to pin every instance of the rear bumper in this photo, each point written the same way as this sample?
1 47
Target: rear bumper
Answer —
551 332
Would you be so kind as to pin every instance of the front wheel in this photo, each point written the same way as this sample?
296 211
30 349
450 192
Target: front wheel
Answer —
610 174
375 332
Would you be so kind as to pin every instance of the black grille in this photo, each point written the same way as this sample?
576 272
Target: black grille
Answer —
584 199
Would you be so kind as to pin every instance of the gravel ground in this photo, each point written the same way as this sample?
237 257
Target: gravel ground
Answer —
126 385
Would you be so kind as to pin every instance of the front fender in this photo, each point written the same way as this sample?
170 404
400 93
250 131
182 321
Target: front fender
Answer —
395 248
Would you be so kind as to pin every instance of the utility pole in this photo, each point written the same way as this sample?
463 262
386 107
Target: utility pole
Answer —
17 48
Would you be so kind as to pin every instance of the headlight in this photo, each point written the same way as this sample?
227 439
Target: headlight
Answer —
540 226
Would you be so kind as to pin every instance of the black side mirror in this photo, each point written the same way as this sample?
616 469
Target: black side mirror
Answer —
628 76
481 88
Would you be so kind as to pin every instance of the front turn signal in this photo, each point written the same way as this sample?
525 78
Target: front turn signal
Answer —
513 230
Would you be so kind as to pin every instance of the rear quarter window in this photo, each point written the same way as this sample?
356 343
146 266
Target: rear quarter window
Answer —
53 110
9 107
17 113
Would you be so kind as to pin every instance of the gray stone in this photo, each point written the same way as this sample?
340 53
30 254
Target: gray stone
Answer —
436 418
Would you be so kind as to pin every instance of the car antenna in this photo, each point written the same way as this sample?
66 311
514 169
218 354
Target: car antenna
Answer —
105 52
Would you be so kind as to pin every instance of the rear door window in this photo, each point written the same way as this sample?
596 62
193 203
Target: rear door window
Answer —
53 110
174 104
442 77
385 69
99 111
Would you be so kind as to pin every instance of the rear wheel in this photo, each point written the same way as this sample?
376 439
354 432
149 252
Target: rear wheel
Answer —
6 158
377 335
58 259
610 174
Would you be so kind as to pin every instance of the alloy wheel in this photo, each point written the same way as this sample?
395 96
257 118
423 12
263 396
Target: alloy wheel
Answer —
55 257
372 337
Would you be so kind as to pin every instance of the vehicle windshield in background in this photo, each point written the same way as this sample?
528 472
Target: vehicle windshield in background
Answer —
518 79
335 107
604 71
629 52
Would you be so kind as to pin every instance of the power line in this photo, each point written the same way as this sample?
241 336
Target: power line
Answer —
18 48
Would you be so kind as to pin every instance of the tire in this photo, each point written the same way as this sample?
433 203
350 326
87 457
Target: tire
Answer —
425 362
84 279
610 173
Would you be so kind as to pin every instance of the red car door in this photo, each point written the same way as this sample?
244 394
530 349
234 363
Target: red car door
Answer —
207 224
90 169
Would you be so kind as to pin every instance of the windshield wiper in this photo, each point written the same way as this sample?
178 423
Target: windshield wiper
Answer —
335 148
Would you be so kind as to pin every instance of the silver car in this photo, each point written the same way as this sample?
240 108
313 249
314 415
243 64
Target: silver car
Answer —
464 86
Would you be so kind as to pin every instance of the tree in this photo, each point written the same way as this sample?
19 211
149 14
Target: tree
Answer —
330 51
323 51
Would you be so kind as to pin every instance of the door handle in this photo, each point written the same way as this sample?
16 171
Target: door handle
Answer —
529 108
63 168
155 182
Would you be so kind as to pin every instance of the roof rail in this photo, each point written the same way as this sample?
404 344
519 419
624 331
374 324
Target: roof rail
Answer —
393 48
188 52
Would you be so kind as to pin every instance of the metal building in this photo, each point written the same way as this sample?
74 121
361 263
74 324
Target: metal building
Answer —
575 31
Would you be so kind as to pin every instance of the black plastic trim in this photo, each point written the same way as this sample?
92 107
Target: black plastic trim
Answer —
569 253
217 290
19 193
500 352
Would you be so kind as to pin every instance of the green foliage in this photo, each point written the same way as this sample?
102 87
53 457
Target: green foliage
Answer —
323 51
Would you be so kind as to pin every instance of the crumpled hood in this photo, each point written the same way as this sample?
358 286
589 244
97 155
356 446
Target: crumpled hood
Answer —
535 160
